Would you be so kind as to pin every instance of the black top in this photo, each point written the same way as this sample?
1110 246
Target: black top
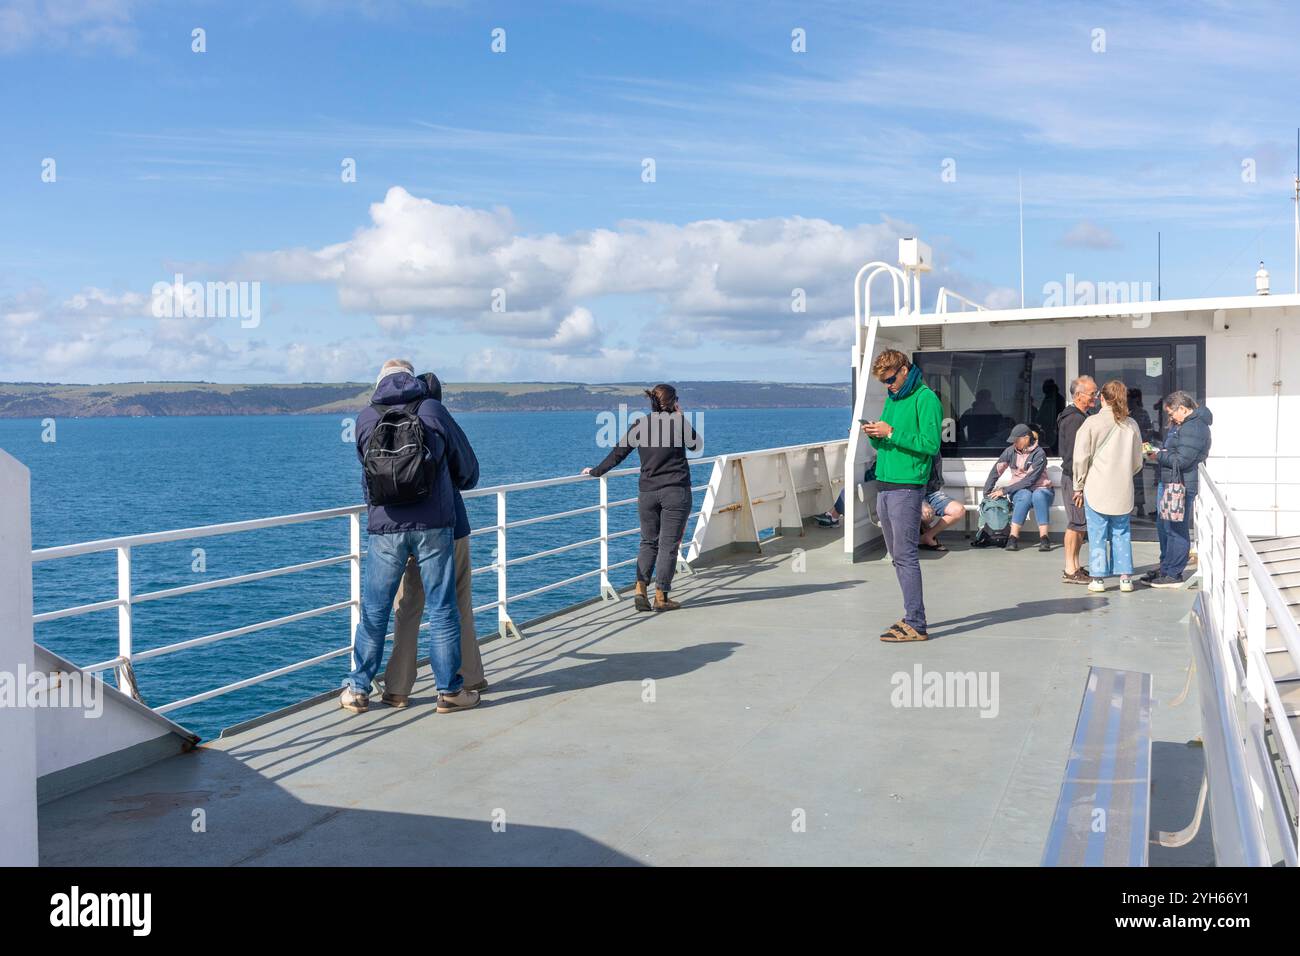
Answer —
662 440
1067 427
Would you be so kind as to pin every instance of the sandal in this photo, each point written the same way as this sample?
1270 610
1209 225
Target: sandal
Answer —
931 547
902 633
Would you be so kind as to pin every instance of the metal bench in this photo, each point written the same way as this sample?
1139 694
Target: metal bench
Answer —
1103 815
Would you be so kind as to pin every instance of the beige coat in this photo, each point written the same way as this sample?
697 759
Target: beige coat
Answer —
1104 468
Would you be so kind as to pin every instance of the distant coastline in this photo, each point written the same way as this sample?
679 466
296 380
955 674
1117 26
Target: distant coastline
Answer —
170 399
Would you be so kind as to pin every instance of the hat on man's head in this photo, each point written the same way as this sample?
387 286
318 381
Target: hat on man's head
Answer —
1020 431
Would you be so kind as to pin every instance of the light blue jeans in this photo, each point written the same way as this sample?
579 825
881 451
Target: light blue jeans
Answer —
1110 545
386 555
1040 498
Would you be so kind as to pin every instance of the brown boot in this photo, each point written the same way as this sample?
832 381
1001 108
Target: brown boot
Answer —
642 599
662 603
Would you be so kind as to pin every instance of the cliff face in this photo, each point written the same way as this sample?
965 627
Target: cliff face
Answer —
39 400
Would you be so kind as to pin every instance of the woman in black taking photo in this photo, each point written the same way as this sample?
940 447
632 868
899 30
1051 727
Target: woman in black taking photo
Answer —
662 439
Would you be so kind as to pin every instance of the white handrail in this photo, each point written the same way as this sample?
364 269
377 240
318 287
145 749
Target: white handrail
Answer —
126 599
941 301
1243 683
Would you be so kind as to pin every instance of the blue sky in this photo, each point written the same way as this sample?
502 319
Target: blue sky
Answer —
522 171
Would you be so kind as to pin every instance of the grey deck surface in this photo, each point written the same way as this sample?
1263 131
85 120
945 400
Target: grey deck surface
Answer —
772 701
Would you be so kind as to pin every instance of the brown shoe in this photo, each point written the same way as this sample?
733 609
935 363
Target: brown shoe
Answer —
1081 576
642 599
901 633
461 700
397 700
662 603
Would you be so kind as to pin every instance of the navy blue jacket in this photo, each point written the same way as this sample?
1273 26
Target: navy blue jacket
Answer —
1186 446
447 443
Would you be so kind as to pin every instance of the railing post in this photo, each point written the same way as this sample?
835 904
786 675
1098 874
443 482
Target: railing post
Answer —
1229 624
125 673
354 580
607 592
505 625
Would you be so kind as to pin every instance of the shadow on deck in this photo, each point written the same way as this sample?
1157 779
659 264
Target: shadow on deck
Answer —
756 726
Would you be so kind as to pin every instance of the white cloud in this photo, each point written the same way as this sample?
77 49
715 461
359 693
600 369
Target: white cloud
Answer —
452 264
1089 235
67 24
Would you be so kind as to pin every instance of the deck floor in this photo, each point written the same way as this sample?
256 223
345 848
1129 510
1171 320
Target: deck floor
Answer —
772 702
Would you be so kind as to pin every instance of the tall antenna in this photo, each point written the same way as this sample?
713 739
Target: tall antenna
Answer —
1296 200
1020 189
1157 266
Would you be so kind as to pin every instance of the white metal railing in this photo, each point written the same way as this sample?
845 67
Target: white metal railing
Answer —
122 662
941 302
1242 705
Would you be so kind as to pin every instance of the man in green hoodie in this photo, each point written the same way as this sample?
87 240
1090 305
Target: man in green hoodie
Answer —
906 439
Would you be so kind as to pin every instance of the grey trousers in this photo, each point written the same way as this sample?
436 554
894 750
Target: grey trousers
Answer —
399 676
900 520
663 522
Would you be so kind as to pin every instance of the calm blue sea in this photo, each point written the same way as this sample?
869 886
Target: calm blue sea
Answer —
114 476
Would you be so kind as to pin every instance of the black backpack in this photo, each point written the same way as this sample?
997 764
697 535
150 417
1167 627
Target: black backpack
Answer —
398 466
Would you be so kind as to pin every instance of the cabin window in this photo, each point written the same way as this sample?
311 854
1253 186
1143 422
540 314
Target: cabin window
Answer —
985 393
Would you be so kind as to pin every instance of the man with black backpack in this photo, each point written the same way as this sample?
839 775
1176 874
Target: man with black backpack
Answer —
413 458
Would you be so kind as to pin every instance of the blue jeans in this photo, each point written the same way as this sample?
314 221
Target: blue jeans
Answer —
1040 498
900 520
1110 545
435 552
1175 538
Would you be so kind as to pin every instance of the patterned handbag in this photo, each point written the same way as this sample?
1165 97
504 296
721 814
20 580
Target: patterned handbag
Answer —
1173 502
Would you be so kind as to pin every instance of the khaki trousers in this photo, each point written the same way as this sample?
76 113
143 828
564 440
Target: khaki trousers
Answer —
399 676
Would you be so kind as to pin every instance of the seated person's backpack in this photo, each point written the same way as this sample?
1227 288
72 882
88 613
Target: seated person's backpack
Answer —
995 524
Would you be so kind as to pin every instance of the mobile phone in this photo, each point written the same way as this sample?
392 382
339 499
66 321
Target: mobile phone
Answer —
866 421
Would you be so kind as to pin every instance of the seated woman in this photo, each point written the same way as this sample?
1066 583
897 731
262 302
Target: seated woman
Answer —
1020 474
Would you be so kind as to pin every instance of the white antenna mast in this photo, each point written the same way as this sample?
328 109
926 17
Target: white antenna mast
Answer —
1021 191
1296 200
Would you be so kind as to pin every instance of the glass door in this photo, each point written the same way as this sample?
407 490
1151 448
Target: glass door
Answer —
1151 368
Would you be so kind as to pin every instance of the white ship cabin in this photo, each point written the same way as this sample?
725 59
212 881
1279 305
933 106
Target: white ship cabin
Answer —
1238 355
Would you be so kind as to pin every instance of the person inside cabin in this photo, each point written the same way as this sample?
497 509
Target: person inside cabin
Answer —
938 511
399 675
1083 398
981 423
1187 446
1045 415
412 458
661 439
1148 432
1107 454
1020 475
906 440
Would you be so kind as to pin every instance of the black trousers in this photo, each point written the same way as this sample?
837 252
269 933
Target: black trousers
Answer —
663 521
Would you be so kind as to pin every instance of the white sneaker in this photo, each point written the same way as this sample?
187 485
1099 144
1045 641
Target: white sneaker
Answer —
1125 585
1096 585
353 701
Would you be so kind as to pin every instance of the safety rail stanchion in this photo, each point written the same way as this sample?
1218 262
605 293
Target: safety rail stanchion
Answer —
354 579
125 674
505 625
607 591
